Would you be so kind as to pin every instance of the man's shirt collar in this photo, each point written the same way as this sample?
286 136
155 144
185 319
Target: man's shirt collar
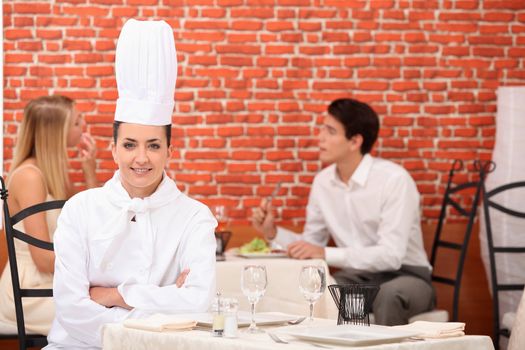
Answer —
359 176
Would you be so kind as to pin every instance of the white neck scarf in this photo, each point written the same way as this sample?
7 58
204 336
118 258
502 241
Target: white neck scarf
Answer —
118 227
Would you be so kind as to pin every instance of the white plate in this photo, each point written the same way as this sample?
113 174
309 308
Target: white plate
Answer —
262 255
349 334
244 318
255 255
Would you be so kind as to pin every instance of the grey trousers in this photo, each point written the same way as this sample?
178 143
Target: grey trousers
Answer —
402 293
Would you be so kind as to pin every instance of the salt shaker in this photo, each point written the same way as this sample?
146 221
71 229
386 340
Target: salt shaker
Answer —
230 318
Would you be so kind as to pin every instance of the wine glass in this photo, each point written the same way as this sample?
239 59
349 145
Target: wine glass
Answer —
253 286
312 283
219 211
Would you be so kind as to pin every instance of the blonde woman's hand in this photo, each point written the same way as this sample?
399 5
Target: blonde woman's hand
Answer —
88 151
88 148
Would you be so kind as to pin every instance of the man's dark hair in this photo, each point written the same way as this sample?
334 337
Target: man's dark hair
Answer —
116 125
358 118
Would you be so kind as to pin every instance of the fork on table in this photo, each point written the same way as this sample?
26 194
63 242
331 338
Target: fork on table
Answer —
276 339
297 321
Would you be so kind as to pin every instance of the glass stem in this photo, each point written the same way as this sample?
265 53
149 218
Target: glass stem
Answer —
252 324
311 312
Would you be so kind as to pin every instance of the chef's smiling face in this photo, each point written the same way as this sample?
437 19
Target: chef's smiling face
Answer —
141 153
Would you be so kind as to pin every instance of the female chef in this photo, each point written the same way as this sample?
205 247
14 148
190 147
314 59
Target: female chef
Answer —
137 245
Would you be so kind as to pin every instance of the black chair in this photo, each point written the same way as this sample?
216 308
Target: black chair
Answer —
460 197
24 340
491 205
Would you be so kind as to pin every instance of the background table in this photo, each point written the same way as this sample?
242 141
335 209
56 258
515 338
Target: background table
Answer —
282 293
117 337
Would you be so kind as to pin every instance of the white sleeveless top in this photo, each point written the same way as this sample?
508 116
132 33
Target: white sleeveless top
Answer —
38 312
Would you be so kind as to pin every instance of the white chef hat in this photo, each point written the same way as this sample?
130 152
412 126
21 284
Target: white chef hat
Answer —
146 71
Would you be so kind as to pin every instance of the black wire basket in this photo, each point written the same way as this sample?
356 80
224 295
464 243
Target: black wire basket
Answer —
354 302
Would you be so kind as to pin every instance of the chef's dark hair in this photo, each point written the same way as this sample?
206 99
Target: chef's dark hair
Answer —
116 125
358 118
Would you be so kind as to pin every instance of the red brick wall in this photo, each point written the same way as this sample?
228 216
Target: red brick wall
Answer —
256 75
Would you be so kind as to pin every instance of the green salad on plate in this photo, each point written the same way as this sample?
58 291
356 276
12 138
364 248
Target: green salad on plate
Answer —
256 245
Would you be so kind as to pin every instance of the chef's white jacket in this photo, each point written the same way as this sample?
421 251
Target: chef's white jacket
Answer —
104 238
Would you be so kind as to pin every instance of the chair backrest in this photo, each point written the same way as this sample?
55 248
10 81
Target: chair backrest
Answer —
456 196
490 206
11 233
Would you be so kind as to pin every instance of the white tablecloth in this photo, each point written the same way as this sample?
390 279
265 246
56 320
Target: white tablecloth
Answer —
117 337
282 293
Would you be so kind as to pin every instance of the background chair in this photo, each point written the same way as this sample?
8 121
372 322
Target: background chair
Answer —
464 198
490 207
25 340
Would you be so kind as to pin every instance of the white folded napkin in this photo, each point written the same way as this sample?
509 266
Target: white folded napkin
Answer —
160 323
432 330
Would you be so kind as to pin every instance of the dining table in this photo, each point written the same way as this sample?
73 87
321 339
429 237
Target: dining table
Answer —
282 295
119 337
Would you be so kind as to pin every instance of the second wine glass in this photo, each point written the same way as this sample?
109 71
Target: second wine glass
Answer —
312 283
253 286
220 213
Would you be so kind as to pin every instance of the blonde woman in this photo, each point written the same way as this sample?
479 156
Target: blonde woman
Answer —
39 173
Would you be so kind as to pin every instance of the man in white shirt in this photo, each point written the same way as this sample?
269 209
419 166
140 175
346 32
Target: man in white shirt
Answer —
370 208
